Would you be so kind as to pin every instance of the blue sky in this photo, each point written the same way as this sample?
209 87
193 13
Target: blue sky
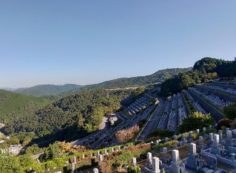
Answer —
89 41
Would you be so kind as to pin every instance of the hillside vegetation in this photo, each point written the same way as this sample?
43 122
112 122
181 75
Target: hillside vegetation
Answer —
64 90
79 114
48 90
76 115
156 77
85 110
204 70
17 108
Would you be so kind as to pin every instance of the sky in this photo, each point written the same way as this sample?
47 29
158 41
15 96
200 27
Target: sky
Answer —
90 41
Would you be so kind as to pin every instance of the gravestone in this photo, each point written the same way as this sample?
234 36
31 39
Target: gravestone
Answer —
95 170
192 160
149 159
164 150
134 161
105 152
100 158
175 155
176 165
197 131
211 162
216 139
220 132
156 165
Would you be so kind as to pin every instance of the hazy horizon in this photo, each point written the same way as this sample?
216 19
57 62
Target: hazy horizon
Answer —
80 42
65 83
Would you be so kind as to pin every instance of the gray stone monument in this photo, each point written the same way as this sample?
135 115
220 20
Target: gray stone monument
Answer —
192 161
95 170
197 131
100 158
134 161
149 159
73 165
156 165
105 152
176 165
216 139
175 155
220 132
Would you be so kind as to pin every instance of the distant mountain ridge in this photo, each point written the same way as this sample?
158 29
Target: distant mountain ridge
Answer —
47 90
53 90
156 77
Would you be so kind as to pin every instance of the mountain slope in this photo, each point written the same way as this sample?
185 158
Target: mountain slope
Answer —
77 114
156 77
47 90
16 107
63 90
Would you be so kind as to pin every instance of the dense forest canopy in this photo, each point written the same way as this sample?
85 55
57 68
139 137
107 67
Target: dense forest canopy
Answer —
18 108
48 90
221 67
84 110
156 77
204 70
206 65
196 120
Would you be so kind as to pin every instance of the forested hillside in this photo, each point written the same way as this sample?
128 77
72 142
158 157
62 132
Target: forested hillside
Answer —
64 90
221 67
48 90
82 113
85 110
17 108
204 70
156 77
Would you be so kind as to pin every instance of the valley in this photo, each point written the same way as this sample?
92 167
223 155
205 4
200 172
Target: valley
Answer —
140 120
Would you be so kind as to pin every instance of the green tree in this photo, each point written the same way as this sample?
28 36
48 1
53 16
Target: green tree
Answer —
10 164
52 152
80 123
26 162
196 121
34 149
50 165
135 169
230 111
14 140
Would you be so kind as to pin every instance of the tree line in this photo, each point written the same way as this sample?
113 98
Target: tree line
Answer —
203 71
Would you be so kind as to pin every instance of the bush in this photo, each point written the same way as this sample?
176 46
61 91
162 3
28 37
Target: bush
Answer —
230 111
196 121
125 135
161 133
135 169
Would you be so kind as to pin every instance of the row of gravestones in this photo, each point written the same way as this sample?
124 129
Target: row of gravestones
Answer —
155 165
222 147
100 152
100 156
193 162
185 137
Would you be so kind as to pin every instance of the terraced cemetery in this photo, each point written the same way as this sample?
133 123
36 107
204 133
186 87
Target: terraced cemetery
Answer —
165 114
186 124
168 114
